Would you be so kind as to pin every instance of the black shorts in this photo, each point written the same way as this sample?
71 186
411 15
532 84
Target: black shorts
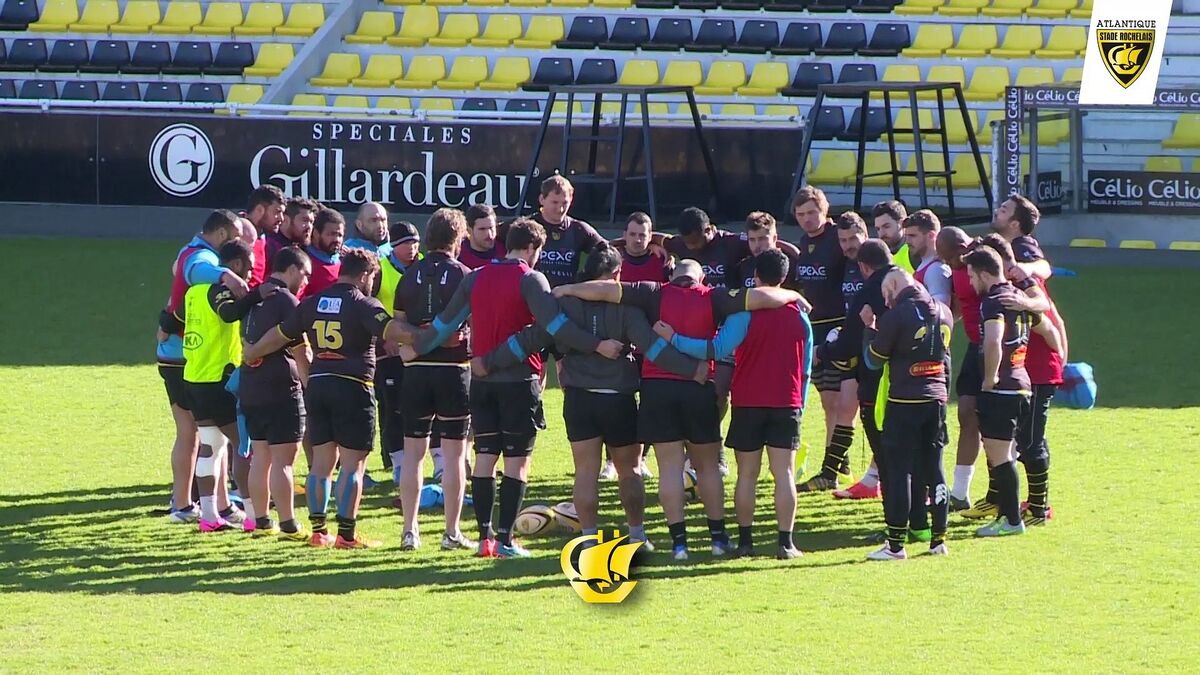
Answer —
751 429
440 392
276 423
970 376
678 410
172 377
502 416
342 411
911 429
590 414
825 375
389 382
999 414
212 403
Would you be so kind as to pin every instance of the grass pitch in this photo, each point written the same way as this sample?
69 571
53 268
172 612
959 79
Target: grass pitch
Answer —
89 581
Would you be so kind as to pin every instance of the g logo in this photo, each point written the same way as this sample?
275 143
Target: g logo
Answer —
181 160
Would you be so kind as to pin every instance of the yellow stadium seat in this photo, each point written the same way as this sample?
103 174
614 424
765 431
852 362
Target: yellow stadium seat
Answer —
500 31
705 109
878 163
465 73
303 19
987 83
1052 9
339 70
261 19
933 162
381 70
527 3
56 16
613 3
903 119
653 108
963 7
1073 74
966 174
1185 246
97 16
508 74
220 19
423 71
975 40
1088 243
402 2
767 78
485 3
139 16
1007 8
639 73
902 73
1186 133
373 28
457 31
542 33
944 74
833 167
956 129
1066 42
181 16
918 7
560 108
418 24
1164 164
983 130
350 101
723 78
683 73
393 103
307 100
1034 75
570 3
1053 132
779 110
1083 11
613 108
271 60
1019 42
1141 244
244 93
739 109
932 39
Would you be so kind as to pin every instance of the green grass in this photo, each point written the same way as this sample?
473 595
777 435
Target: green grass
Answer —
90 581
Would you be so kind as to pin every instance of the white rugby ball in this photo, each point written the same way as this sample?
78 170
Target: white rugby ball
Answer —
534 519
566 517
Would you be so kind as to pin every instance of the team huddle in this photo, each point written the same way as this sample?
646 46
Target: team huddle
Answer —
281 335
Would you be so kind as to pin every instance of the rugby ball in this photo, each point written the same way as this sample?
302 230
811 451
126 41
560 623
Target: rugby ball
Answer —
691 492
534 519
566 517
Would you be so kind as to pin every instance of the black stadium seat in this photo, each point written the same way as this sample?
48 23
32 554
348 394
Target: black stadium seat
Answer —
785 5
829 5
586 33
3 51
597 71
746 5
876 123
162 92
67 56
876 6
857 72
479 104
670 35
108 56
758 37
18 14
26 54
831 122
628 33
522 105
888 40
190 57
551 71
800 39
844 39
655 4
808 77
149 57
203 92
38 89
231 58
121 91
715 35
697 4
81 90
7 89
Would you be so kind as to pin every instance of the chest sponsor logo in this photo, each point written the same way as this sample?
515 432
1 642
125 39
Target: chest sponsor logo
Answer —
926 369
810 271
557 257
329 306
192 340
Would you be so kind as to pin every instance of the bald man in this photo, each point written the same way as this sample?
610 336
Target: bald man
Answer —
952 245
370 225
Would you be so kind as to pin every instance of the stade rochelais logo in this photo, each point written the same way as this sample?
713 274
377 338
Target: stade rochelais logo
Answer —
181 160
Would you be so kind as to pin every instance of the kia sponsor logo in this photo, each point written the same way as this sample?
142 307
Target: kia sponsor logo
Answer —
181 160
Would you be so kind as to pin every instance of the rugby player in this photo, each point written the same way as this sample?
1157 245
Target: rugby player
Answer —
921 230
296 229
639 260
1015 220
481 245
952 245
370 229
265 213
762 235
888 217
329 228
403 244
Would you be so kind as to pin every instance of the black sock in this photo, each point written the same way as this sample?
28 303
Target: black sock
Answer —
937 538
1007 490
262 523
228 512
483 494
785 539
993 494
716 530
745 535
1037 474
512 493
346 527
895 537
317 520
289 526
678 533
837 453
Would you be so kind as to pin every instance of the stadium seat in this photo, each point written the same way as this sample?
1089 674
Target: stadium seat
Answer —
758 37
139 16
1034 75
830 123
1006 8
875 6
932 40
975 41
38 89
933 162
639 73
522 105
1088 243
1185 246
542 33
1083 11
1164 165
901 72
785 5
552 71
351 101
1020 41
808 77
17 15
1066 42
903 119
943 74
457 31
800 39
987 83
833 167
888 39
56 16
844 39
500 31
587 32
670 35
465 73
181 16
373 28
560 107
419 23
1052 9
1053 132
108 56
162 92
272 60
485 3
628 33
80 91
203 92
746 109
434 106
121 91
220 19
878 163
766 79
875 125
723 78
508 74
857 72
381 71
966 174
715 35
1073 74
683 73
963 7
521 3
339 70
190 57
779 110
697 4
1140 244
313 100
597 71
97 17
479 104
423 72
7 88
26 54
1186 133
393 103
956 129
918 7
261 19
149 57
304 18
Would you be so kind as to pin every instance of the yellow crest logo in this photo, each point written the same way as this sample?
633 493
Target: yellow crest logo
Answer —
602 573
1125 53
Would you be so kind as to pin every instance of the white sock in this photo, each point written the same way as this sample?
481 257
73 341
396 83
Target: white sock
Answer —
397 459
870 479
962 480
248 507
208 508
439 462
